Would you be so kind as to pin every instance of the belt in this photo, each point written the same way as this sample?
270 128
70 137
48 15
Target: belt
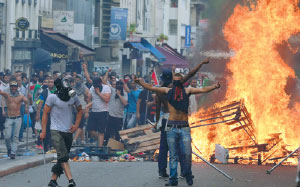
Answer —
13 117
178 126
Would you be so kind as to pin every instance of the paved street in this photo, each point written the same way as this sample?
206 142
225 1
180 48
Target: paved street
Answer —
144 174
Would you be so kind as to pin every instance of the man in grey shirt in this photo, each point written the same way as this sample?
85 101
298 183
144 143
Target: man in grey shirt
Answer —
60 106
117 102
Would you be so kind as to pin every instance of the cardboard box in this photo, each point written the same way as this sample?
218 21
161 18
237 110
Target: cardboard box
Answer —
114 144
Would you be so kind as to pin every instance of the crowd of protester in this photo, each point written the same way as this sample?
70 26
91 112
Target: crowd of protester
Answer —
110 103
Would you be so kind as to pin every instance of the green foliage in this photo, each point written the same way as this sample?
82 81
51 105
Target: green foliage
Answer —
163 37
132 28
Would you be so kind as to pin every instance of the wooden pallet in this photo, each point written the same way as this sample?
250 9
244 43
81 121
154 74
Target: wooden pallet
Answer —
140 139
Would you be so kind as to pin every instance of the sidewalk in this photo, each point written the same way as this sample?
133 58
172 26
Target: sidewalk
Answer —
34 158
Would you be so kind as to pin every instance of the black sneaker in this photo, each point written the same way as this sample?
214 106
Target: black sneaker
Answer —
53 183
163 175
71 183
12 156
171 184
189 180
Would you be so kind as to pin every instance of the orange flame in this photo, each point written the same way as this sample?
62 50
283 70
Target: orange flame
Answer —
259 74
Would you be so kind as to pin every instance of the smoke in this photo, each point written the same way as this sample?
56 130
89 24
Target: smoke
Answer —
289 52
211 43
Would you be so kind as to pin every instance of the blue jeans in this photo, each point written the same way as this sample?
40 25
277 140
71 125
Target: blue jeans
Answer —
12 128
131 120
179 142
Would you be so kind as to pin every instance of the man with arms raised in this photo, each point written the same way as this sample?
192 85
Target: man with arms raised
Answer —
178 131
13 121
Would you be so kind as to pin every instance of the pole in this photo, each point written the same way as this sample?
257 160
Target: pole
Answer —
28 93
227 176
273 168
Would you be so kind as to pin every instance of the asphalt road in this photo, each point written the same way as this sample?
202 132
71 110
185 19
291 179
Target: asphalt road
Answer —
144 174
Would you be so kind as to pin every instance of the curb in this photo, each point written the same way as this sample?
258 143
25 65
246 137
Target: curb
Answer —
25 164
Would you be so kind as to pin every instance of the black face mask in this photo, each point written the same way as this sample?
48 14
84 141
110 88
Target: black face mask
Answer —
177 83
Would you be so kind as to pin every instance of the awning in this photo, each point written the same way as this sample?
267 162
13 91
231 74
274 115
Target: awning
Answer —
58 43
160 57
139 46
172 57
41 56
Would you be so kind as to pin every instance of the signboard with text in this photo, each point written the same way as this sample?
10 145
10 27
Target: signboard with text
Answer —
118 24
63 21
187 36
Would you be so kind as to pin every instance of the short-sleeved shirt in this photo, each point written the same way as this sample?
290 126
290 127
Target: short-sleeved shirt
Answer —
132 100
99 105
61 114
115 105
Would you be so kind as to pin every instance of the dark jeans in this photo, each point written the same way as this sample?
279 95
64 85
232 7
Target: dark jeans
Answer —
32 117
179 142
163 150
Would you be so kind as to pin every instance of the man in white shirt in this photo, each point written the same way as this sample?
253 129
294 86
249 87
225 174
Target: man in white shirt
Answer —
99 96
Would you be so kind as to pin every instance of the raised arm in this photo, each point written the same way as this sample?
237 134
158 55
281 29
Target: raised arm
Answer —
4 94
106 76
192 90
163 90
194 71
86 73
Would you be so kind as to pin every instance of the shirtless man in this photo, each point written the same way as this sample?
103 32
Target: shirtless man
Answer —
178 130
13 121
162 103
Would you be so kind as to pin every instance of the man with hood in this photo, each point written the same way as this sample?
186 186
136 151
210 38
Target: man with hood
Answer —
177 127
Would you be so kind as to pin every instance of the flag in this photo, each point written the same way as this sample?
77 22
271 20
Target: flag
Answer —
154 78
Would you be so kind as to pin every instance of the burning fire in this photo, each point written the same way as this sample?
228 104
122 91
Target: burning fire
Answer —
259 75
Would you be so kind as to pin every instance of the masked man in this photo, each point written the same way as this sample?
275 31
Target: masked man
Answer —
13 121
178 130
60 106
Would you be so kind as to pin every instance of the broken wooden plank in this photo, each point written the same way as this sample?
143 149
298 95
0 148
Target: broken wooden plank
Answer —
149 148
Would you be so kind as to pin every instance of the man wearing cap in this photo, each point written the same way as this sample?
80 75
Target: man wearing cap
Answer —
12 124
177 127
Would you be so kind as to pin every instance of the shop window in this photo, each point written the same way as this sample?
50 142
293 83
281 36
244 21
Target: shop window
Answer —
174 3
172 26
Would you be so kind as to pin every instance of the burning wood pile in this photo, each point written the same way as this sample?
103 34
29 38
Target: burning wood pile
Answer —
230 128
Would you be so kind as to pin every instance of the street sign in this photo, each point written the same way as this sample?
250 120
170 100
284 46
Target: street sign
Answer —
188 36
118 24
22 24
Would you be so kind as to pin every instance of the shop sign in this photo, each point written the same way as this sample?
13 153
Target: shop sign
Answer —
22 24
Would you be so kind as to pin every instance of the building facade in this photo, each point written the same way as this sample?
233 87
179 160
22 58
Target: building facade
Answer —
18 44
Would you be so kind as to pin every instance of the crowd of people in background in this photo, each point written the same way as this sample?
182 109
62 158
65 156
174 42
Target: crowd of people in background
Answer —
110 103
